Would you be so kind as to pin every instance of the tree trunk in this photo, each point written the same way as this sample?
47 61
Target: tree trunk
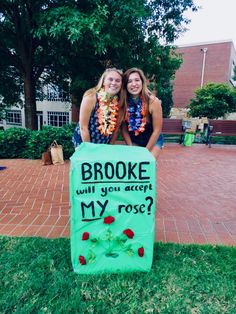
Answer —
30 103
75 108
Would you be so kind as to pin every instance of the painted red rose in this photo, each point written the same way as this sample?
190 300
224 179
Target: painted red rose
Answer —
141 251
82 260
109 220
85 236
129 233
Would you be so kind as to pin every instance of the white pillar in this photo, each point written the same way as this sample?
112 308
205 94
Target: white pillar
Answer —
203 65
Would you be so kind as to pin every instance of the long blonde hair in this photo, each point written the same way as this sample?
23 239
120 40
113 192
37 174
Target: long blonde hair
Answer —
94 90
99 85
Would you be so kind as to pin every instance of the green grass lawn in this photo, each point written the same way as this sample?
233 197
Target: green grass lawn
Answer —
36 277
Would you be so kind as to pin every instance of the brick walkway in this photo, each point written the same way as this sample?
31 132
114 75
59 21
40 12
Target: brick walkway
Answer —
196 196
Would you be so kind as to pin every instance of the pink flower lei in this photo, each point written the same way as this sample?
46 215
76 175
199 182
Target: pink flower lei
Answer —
107 112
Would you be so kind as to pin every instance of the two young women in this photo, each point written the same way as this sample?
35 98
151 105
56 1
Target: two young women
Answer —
132 108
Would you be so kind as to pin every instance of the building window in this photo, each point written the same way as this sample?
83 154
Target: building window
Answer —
54 93
58 118
14 117
233 74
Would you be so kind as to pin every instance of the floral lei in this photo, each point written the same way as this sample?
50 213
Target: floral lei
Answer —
107 112
136 115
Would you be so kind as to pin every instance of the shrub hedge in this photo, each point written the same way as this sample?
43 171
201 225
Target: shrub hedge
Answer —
24 143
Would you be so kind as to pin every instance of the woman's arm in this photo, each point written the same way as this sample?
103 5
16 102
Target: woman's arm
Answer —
114 136
86 108
155 110
125 133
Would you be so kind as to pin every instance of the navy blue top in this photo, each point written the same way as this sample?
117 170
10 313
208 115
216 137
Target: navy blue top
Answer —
95 135
143 137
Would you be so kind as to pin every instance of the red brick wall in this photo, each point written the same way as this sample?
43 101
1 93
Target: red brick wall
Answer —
218 63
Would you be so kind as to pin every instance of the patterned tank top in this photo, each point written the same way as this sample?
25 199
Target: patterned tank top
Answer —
95 135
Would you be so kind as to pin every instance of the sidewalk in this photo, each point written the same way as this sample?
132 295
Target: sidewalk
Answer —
196 200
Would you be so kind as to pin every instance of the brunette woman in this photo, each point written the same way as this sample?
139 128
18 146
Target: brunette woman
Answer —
143 122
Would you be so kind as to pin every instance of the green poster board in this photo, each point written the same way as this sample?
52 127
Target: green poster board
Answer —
113 198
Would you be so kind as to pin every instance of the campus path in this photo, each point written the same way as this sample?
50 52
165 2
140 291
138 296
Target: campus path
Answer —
196 200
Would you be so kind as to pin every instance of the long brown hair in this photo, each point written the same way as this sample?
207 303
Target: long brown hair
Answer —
145 93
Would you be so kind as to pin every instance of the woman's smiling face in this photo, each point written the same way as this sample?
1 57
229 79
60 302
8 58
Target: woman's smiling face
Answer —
135 84
112 83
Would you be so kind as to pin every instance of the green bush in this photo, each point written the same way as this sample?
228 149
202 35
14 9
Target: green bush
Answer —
40 141
13 143
23 143
213 100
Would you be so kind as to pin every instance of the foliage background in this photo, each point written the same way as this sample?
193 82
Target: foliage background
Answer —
69 43
24 143
213 100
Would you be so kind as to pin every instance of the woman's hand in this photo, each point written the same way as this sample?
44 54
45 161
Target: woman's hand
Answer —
125 134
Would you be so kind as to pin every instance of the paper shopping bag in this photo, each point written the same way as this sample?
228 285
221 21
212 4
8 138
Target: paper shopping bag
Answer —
56 153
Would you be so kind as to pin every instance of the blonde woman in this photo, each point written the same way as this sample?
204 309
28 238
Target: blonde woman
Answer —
143 122
100 111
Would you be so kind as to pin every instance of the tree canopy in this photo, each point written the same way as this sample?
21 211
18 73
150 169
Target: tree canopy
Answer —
214 100
73 41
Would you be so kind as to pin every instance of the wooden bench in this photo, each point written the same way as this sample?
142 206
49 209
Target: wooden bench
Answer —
173 126
220 128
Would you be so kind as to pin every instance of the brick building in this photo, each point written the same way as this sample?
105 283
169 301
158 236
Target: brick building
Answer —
202 63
